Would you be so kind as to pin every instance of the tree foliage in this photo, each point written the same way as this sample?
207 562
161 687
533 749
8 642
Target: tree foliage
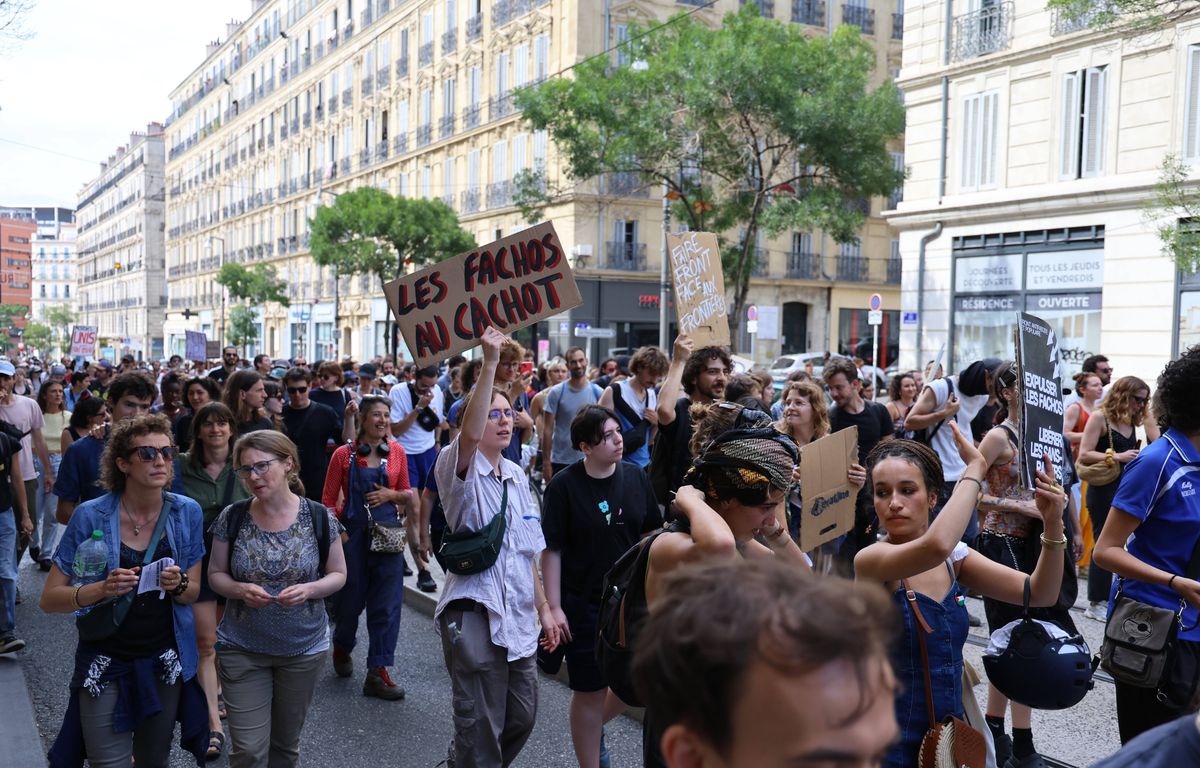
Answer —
257 285
1133 15
9 313
60 318
39 336
243 327
1175 212
751 126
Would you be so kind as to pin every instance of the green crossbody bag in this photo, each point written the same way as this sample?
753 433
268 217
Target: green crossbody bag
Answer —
467 552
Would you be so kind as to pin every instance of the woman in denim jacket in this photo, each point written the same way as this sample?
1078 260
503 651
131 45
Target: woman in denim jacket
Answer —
130 688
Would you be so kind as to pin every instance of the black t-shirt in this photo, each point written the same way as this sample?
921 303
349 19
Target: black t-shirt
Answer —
8 454
592 522
219 375
1172 745
678 435
149 627
255 425
333 400
874 423
312 429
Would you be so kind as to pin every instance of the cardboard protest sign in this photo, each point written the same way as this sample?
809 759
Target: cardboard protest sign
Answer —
1041 399
699 287
827 495
196 345
83 341
510 284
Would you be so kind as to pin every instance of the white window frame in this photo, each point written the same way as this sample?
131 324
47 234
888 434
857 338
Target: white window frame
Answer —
1082 115
978 141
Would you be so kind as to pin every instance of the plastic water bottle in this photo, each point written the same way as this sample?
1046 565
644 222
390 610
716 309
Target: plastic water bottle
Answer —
91 561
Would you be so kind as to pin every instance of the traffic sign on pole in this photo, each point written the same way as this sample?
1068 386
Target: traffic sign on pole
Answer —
875 317
876 302
752 312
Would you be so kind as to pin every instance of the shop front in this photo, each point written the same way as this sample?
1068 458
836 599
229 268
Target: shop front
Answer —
629 310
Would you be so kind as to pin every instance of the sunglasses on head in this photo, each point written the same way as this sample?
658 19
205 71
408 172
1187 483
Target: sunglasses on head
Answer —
148 453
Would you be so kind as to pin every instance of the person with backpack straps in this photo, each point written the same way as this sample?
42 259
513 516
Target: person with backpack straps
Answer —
563 402
275 557
636 403
489 612
592 513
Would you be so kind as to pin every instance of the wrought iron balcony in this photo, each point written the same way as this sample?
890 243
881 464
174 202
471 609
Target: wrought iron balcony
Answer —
628 257
402 67
499 194
344 165
502 13
383 77
982 32
897 26
333 105
501 105
810 12
307 119
855 269
368 85
320 112
381 151
627 184
283 130
424 134
449 41
895 268
762 262
364 157
425 55
368 16
471 116
803 266
295 125
475 27
400 143
863 18
446 127
469 200
347 97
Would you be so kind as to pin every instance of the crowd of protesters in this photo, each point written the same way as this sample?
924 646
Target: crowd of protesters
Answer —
290 499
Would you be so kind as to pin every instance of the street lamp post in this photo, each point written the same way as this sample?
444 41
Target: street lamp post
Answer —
209 248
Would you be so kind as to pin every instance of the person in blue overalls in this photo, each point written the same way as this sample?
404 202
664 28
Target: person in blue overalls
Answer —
922 563
372 487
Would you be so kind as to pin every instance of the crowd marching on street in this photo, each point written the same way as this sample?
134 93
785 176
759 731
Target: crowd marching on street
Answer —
218 534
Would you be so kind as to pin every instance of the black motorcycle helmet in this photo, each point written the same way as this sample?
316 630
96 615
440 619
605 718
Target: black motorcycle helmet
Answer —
1038 669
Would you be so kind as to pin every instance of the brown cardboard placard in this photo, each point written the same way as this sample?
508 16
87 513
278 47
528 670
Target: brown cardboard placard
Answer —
510 283
828 497
699 284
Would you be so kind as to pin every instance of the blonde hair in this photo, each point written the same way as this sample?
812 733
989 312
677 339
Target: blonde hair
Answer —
278 445
816 398
1118 406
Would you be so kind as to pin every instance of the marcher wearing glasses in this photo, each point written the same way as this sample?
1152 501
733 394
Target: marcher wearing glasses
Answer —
131 687
1113 425
313 427
375 484
275 557
489 620
229 361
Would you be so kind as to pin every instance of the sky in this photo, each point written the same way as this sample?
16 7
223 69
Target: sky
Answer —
93 71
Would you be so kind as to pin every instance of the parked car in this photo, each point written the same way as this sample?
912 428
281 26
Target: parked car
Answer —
785 365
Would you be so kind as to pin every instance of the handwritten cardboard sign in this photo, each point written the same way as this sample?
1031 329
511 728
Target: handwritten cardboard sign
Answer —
828 498
83 341
1041 399
196 345
510 284
699 287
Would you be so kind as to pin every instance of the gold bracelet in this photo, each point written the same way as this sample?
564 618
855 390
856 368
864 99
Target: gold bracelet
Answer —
542 605
1054 544
975 480
75 598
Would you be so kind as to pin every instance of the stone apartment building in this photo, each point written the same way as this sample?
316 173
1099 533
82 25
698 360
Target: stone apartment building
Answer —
120 247
309 98
1033 145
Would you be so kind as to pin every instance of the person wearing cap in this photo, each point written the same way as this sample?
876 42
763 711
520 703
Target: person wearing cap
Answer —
102 373
366 383
387 381
58 373
128 364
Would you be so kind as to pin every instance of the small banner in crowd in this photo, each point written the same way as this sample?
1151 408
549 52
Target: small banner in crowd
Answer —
510 284
83 341
1041 399
828 497
699 287
197 346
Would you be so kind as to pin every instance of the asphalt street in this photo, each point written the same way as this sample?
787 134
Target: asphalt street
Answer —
345 728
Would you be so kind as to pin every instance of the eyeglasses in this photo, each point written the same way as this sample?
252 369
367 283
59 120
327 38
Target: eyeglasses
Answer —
297 390
258 469
1104 370
496 413
148 453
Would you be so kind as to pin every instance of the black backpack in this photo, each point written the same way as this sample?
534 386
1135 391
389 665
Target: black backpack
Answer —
320 523
926 435
622 610
637 435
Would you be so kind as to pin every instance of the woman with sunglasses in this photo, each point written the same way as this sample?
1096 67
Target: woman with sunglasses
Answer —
1113 426
373 487
273 638
153 650
205 474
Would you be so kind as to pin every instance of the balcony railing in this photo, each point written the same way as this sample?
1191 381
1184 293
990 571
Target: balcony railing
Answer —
628 257
425 55
383 77
863 18
424 134
803 266
982 32
344 165
471 116
347 97
402 67
381 151
364 157
475 27
895 268
446 127
626 184
368 85
501 105
449 41
400 143
762 262
333 105
897 26
1063 24
470 201
499 194
855 269
810 12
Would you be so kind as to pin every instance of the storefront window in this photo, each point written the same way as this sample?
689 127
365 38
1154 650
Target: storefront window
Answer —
299 340
855 336
324 349
1189 311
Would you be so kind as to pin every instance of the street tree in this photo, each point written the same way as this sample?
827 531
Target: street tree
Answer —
258 285
243 328
1132 15
10 313
751 128
60 318
39 336
368 231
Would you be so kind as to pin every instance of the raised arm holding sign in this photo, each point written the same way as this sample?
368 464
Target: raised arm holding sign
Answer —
699 288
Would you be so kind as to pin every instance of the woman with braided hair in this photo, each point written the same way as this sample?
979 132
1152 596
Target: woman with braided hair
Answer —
921 564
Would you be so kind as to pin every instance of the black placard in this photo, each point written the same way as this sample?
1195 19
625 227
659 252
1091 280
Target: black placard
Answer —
1041 399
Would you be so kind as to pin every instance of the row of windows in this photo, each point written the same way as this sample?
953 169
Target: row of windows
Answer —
66 292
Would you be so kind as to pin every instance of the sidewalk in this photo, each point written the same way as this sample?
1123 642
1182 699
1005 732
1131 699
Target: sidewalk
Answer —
18 731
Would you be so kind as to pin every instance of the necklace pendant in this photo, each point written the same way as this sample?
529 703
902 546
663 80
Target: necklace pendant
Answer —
137 530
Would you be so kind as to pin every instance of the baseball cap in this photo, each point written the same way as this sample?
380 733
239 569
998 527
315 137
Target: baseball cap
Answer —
58 370
349 376
7 368
390 379
106 365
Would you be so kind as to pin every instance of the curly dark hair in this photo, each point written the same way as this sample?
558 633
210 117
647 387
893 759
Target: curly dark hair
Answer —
698 361
896 383
919 455
120 445
1175 402
840 365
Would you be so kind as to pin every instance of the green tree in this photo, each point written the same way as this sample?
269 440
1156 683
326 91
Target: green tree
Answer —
750 127
39 336
1175 212
10 313
243 327
60 318
368 231
257 285
1134 15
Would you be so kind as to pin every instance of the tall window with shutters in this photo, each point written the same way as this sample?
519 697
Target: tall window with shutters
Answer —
978 141
1191 115
1081 142
521 65
541 57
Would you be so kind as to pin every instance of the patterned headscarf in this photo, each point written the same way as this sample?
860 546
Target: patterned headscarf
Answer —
747 459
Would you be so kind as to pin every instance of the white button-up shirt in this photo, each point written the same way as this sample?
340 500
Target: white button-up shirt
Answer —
506 589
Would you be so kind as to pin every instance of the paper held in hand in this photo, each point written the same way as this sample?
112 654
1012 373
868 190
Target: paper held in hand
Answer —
510 284
827 495
699 284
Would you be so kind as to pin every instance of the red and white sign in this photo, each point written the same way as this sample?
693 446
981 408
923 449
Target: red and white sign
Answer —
83 341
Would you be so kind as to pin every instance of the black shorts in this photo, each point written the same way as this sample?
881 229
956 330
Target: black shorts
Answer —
583 671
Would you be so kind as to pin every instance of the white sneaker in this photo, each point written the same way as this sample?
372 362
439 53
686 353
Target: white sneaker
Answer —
1097 612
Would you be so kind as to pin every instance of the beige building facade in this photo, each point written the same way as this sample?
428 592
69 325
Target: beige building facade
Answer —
1035 199
120 249
307 99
